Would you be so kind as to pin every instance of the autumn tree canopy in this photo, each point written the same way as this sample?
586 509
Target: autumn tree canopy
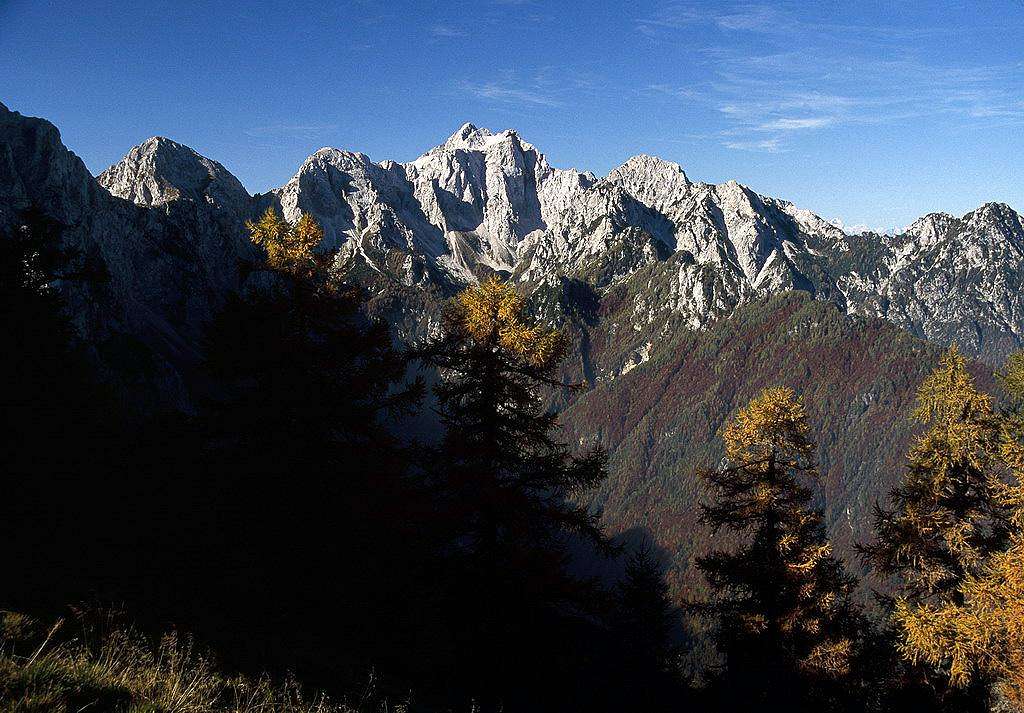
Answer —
961 607
290 248
947 515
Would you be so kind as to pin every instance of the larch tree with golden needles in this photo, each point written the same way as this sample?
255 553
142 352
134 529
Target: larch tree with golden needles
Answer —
507 481
494 362
306 386
974 634
290 248
948 515
780 602
980 636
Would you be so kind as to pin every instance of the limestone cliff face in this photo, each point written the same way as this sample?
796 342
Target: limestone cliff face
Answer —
161 237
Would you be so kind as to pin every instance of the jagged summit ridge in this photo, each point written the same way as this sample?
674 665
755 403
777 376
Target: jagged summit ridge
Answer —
483 201
678 251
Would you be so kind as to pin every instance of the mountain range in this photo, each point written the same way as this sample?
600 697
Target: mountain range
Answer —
680 297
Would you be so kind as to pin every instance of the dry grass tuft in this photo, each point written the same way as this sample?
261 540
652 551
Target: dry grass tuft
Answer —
94 665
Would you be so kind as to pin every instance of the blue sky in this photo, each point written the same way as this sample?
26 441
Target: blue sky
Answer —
871 112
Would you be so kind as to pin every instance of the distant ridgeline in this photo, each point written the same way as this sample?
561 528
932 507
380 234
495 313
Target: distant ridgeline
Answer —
678 302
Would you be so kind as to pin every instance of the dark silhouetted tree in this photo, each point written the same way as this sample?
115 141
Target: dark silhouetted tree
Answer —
780 601
643 622
507 486
300 530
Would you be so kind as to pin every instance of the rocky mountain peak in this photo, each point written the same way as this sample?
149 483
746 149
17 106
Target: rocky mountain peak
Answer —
35 167
483 201
647 163
930 228
996 216
470 137
160 170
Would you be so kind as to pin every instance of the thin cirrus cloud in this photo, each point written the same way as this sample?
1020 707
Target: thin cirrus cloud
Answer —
772 70
765 145
446 31
795 124
511 92
302 132
679 15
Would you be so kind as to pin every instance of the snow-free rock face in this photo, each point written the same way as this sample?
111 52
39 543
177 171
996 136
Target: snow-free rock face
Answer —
655 250
142 281
483 202
949 280
159 170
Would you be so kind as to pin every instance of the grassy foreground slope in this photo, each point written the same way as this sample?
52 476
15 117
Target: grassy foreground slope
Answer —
95 664
661 420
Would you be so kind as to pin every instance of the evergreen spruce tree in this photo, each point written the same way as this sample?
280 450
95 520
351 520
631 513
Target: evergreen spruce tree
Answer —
645 612
642 625
783 621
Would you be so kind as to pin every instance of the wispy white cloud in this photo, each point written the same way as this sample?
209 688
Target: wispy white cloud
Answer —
776 18
749 17
544 86
446 31
511 93
801 74
765 145
672 91
754 18
793 124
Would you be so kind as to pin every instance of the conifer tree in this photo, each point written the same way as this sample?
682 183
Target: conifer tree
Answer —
973 635
499 453
507 485
982 634
784 624
299 346
301 481
947 516
645 611
289 248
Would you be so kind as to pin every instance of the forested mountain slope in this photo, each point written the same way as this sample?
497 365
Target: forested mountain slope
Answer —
661 421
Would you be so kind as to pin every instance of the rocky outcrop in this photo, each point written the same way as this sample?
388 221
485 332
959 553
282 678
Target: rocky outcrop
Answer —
947 279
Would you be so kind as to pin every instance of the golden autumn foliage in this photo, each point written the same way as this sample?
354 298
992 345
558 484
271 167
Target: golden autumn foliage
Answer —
950 511
773 423
982 635
289 248
494 314
1011 378
975 630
